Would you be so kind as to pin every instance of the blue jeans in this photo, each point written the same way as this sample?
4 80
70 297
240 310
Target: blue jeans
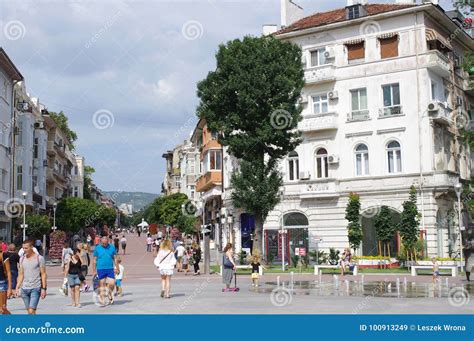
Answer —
31 297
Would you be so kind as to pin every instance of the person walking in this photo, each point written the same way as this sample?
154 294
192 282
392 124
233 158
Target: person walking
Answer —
123 244
13 259
228 265
119 278
72 271
196 259
66 253
139 231
32 279
180 251
149 242
469 263
165 262
103 264
85 263
116 243
5 281
185 262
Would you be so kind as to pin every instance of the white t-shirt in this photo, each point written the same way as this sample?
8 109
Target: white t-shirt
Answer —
121 271
180 250
149 240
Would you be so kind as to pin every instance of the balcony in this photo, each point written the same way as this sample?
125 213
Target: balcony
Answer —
61 149
438 63
50 150
320 74
440 113
209 180
321 188
312 123
61 176
395 110
359 115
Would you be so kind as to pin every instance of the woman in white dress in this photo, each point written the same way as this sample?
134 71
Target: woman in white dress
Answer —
165 261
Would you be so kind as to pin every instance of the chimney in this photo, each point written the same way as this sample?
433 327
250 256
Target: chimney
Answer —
269 29
290 12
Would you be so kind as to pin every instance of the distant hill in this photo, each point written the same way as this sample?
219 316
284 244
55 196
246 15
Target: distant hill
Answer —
137 199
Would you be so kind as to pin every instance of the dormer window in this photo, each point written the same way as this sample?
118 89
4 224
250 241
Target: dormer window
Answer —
354 12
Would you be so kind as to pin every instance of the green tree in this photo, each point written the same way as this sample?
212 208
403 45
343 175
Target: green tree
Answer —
409 224
62 122
107 216
250 101
170 209
354 229
38 225
88 171
73 214
385 229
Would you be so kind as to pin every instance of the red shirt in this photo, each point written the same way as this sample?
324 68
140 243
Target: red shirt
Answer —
4 247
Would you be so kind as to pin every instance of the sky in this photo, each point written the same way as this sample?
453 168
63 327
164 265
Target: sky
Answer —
125 71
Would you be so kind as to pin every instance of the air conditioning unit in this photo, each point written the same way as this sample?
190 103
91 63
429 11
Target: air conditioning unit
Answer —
304 176
329 54
433 106
333 94
333 159
39 125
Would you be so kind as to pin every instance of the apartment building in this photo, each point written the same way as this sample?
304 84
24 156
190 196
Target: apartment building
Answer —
172 181
9 75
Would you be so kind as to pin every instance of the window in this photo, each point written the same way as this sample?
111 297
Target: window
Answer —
3 135
293 166
191 166
213 160
320 104
433 90
19 138
76 191
3 87
214 135
3 180
362 159
35 148
19 178
191 192
394 156
359 104
391 99
177 181
353 12
356 52
317 57
389 47
321 163
76 170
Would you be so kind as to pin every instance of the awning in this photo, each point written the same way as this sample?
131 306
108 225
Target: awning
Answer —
387 35
432 35
354 41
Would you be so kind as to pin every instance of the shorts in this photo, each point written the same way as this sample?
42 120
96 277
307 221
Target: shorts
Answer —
185 266
118 282
254 275
124 246
3 286
166 272
73 280
105 273
179 258
31 297
436 274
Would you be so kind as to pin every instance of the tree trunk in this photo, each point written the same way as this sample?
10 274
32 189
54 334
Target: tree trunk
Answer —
257 241
380 249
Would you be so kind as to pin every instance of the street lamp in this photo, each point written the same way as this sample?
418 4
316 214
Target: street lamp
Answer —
458 189
55 205
24 226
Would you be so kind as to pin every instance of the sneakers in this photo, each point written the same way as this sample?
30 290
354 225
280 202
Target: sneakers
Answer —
86 287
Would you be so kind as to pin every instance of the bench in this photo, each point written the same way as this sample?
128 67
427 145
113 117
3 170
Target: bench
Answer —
355 271
260 269
453 268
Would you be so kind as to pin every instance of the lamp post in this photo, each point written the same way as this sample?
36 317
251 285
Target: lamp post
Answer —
458 189
24 226
55 205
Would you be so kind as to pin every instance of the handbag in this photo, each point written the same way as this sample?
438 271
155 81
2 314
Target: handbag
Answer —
227 263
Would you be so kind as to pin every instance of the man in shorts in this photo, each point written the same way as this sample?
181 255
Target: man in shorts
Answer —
105 266
31 283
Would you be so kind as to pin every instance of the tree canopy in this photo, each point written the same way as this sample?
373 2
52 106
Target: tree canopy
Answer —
62 122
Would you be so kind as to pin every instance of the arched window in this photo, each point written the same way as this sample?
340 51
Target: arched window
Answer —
321 163
293 166
394 157
362 159
295 219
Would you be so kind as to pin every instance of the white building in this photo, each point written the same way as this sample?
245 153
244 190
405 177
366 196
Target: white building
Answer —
77 176
9 75
384 101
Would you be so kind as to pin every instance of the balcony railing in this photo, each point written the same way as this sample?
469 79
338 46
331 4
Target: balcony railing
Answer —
359 115
50 150
391 111
318 74
321 188
438 63
441 113
326 121
208 180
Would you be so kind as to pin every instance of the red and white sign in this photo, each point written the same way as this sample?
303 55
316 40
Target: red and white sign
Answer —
302 251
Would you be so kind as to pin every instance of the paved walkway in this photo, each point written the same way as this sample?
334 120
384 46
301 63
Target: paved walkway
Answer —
202 294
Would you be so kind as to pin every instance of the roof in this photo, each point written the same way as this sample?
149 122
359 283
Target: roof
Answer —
339 15
9 67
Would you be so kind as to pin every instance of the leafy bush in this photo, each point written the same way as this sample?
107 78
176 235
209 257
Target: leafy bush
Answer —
333 256
294 260
242 257
319 257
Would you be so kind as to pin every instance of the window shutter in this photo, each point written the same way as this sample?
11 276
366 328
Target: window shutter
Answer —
356 51
389 47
